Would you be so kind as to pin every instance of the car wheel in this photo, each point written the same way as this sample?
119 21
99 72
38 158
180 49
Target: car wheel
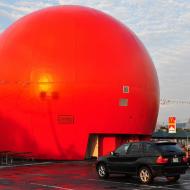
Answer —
172 178
145 175
102 171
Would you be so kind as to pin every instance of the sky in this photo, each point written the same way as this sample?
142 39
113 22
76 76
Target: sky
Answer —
162 25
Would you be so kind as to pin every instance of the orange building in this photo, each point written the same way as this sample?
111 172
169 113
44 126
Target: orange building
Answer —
74 83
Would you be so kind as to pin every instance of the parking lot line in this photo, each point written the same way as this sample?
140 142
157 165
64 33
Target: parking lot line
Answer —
126 183
177 184
140 185
52 186
110 181
188 180
27 164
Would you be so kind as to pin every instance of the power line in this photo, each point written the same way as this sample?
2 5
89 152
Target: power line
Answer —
164 101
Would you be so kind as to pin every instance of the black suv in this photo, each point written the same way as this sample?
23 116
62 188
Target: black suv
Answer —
145 160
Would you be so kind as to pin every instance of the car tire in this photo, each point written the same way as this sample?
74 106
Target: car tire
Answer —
102 171
172 178
145 176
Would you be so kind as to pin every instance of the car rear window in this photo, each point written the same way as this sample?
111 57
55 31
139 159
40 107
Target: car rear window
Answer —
169 148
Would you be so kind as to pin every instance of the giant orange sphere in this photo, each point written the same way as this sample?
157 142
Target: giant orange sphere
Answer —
69 72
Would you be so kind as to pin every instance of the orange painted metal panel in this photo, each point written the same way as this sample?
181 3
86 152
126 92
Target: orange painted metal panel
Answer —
108 145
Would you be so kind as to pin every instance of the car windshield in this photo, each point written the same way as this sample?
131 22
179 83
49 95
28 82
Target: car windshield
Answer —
169 148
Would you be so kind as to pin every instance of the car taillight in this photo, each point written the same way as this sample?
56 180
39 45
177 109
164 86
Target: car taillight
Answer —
161 160
185 159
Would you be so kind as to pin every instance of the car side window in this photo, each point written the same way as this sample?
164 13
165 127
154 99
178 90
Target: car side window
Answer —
149 149
126 147
122 150
136 148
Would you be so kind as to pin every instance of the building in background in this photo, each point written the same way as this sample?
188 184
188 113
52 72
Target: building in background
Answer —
182 137
179 126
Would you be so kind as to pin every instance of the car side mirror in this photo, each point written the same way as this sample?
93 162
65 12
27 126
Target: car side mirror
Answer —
114 154
111 153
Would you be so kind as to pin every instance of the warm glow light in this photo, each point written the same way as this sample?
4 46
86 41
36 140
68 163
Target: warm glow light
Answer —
45 83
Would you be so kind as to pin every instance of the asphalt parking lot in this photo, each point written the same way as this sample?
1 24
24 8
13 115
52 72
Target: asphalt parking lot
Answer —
75 175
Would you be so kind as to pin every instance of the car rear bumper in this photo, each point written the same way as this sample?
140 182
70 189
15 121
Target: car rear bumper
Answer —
169 170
